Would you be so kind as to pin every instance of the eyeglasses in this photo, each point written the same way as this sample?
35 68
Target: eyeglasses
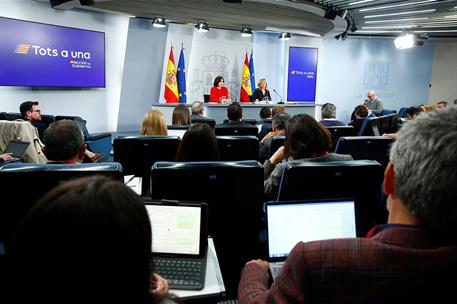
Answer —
38 111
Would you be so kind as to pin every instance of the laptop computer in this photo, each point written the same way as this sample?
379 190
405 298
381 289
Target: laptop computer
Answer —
179 242
291 222
87 136
17 149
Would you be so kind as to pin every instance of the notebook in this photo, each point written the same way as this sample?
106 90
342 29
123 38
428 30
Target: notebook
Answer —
291 222
17 148
179 242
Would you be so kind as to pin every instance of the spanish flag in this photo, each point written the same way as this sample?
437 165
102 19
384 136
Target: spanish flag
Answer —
171 83
246 89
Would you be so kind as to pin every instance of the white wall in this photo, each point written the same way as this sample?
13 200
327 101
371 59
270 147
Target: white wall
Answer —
444 73
98 106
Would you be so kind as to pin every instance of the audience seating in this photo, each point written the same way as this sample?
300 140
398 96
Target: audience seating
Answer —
247 120
13 116
276 143
230 130
366 147
339 131
211 122
233 192
3 116
358 179
402 112
365 127
175 130
47 119
137 154
238 147
386 112
24 184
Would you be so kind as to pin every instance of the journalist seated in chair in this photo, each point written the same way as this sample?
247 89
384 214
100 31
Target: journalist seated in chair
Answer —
154 124
5 157
88 238
408 260
198 144
328 116
235 114
306 140
279 124
373 103
64 142
360 113
198 111
265 120
181 116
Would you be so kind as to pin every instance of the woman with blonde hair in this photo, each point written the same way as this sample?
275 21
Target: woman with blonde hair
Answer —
154 124
181 116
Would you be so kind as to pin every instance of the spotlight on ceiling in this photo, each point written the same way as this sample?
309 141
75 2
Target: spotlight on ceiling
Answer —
202 26
284 36
246 32
409 40
158 22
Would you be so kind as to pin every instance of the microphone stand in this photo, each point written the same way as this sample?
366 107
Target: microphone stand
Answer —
280 97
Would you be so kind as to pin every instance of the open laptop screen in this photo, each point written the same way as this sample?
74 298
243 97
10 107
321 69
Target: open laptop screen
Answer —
177 229
292 222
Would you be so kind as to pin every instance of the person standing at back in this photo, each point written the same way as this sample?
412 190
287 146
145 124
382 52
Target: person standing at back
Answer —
411 259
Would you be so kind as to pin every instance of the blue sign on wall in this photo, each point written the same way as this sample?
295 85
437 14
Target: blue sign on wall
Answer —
37 54
302 74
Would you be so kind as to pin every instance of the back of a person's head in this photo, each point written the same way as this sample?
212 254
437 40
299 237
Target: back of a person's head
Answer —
424 161
63 140
361 110
198 144
197 108
414 110
328 110
181 116
265 113
154 124
280 120
234 111
277 110
27 106
86 240
306 138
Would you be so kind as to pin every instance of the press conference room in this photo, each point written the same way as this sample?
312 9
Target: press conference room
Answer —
242 137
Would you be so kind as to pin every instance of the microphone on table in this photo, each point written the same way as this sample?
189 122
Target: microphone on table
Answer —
280 102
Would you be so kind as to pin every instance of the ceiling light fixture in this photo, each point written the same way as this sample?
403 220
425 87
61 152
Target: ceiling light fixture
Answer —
202 26
360 2
246 32
450 16
396 20
284 36
158 22
409 40
402 13
388 27
394 5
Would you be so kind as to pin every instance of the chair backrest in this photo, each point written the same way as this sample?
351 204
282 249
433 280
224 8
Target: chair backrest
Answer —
238 147
24 184
246 120
358 179
276 143
389 123
233 192
387 111
366 147
228 129
211 122
47 119
60 117
137 154
174 130
402 112
339 131
3 116
13 116
366 128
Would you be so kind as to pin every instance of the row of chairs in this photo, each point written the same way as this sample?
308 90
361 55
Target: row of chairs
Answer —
232 190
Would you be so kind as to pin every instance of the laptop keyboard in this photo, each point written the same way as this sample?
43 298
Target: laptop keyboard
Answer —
181 273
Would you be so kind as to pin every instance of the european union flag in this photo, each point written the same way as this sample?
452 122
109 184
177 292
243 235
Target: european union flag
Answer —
182 78
251 69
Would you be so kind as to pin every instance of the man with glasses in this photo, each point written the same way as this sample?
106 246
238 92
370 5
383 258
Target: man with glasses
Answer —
30 111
